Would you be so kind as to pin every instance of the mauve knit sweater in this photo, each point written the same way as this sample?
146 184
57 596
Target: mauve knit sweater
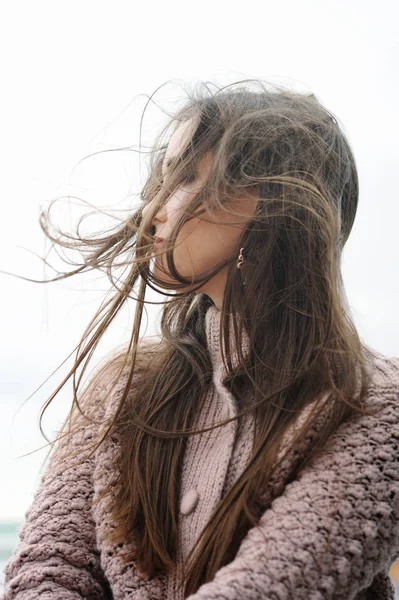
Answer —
350 495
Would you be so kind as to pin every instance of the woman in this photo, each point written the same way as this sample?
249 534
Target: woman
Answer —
251 452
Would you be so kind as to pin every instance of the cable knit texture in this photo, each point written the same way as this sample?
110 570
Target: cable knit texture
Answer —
332 533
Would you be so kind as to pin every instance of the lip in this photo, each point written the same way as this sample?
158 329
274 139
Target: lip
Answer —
158 243
158 240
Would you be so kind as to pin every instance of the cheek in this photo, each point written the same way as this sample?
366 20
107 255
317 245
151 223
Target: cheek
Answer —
205 244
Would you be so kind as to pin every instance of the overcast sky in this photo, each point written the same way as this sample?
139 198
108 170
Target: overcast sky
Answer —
74 78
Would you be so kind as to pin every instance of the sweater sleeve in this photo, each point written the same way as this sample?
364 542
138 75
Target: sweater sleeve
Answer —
333 530
57 555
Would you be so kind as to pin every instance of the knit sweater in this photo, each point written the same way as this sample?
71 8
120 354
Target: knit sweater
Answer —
61 554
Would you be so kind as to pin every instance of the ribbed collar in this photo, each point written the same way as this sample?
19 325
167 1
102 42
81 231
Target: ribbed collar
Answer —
212 328
227 401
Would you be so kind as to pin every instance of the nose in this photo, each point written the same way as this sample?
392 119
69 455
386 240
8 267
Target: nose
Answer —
157 219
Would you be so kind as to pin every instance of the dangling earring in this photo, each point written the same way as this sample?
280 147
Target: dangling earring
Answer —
241 261
239 265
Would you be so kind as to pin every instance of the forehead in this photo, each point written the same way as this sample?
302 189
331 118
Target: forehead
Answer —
177 141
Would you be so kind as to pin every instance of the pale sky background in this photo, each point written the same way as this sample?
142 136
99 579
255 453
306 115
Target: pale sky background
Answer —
74 80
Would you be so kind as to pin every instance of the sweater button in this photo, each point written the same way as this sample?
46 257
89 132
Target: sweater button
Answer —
189 502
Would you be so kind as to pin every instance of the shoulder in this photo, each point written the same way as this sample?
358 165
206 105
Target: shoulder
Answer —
109 378
119 364
385 369
357 435
383 391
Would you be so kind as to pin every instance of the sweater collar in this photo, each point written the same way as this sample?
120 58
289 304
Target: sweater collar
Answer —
212 328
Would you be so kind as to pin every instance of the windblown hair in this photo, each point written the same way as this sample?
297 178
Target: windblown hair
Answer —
286 147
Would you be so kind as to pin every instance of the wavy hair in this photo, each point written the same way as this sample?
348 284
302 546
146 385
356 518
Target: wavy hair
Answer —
291 151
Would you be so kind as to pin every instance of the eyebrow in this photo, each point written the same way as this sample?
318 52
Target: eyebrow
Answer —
170 161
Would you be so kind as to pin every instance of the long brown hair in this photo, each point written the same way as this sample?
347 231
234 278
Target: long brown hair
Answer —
291 150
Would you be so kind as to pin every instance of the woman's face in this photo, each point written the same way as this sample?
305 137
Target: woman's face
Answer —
201 243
